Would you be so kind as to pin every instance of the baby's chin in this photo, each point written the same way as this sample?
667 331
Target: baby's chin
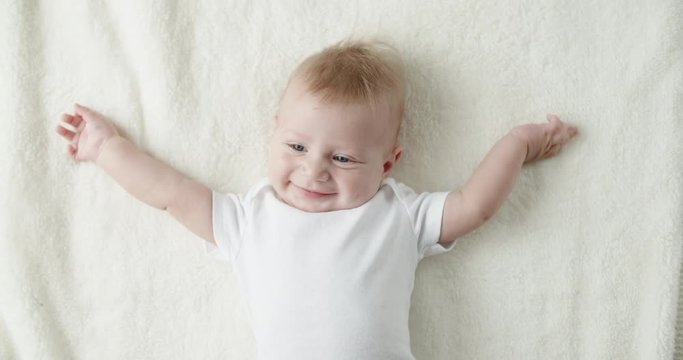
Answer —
328 204
311 206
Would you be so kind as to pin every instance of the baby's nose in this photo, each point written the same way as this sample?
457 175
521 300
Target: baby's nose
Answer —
316 169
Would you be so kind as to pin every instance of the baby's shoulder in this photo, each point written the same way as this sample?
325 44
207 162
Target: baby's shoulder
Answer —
398 189
411 200
259 188
253 193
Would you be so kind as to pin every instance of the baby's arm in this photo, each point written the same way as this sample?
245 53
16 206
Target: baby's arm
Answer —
492 181
94 139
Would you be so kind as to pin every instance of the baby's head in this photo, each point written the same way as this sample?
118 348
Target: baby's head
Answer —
336 128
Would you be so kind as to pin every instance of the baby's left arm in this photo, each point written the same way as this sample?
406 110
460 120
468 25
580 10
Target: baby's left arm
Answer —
492 181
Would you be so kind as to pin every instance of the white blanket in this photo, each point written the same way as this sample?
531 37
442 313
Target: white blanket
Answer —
581 262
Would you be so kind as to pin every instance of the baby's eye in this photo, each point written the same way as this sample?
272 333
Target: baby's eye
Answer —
341 159
297 147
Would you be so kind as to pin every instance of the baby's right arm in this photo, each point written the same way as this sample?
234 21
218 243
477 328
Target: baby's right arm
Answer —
146 178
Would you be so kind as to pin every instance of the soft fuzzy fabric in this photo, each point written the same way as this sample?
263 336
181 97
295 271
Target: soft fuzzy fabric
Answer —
581 262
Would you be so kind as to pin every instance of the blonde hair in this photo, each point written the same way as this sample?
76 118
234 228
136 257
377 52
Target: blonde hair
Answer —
356 71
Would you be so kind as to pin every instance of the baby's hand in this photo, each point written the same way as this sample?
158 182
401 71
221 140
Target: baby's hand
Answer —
544 140
90 131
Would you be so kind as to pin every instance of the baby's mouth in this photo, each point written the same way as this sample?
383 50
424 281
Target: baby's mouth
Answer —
311 193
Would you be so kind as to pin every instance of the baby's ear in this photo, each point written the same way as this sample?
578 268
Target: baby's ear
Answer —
392 160
398 151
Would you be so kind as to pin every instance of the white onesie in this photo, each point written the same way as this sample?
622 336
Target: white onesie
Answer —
330 285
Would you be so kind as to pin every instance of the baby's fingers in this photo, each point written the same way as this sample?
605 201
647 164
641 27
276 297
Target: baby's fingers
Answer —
65 133
560 132
567 133
75 121
70 129
562 136
87 114
72 151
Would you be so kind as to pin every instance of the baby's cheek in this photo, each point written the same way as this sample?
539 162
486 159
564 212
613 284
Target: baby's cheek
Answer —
360 190
275 162
274 172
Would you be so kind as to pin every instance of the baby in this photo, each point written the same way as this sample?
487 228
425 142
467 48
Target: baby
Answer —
325 249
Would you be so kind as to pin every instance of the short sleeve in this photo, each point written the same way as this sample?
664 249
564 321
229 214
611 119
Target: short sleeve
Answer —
229 218
426 212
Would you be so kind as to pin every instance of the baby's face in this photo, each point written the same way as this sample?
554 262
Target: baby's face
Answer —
326 157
